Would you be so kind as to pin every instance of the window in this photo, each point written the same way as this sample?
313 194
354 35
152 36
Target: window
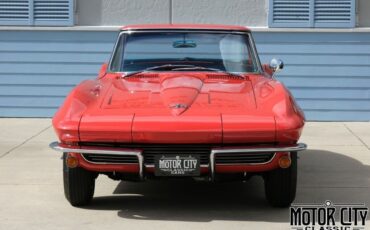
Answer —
36 12
312 13
225 51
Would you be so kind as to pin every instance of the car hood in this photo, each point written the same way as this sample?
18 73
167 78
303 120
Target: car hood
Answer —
174 94
178 108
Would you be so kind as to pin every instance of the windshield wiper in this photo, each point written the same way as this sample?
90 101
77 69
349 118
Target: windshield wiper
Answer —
159 67
209 69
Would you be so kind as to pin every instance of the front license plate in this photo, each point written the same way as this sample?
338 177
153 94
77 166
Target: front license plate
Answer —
177 165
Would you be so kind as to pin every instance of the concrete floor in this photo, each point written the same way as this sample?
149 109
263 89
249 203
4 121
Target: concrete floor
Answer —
336 167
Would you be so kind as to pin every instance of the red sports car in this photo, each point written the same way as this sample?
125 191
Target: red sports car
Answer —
181 101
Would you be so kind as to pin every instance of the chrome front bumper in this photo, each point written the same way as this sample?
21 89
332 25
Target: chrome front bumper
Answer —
214 152
97 150
138 153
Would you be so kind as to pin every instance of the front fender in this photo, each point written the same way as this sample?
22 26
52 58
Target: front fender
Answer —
66 120
289 118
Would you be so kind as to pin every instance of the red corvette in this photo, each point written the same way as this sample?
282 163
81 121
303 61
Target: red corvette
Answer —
181 101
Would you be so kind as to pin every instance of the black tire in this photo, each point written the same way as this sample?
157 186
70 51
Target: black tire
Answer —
79 184
281 184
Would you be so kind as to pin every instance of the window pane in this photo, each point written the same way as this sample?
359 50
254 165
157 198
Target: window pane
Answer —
225 51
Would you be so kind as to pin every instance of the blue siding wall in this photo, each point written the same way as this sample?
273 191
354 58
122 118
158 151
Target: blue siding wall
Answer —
328 73
38 69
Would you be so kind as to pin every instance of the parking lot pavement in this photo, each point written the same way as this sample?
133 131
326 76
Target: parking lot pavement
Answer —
336 167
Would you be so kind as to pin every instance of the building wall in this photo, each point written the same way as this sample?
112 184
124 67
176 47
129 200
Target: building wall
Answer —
39 68
123 12
328 73
363 15
243 12
237 12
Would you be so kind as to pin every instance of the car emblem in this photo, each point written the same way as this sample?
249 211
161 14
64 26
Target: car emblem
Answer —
178 106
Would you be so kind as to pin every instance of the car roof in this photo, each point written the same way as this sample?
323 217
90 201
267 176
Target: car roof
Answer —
184 26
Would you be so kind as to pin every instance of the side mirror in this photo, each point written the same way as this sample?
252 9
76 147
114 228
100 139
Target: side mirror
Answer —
103 70
276 65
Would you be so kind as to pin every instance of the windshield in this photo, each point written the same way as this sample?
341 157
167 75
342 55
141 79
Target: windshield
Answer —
230 52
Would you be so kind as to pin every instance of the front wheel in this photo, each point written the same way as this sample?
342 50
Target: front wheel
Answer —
281 184
79 184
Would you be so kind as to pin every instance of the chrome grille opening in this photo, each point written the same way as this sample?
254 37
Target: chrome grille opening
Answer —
149 151
243 158
110 159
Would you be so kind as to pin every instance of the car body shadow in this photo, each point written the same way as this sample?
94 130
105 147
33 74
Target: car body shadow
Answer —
323 175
